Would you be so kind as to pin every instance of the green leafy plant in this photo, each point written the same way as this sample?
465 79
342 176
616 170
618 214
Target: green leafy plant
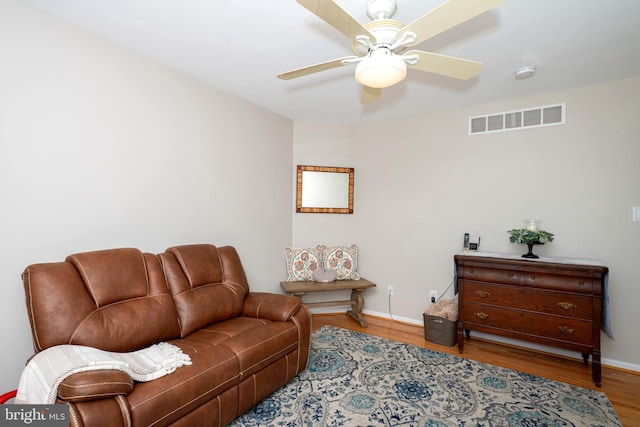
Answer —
521 235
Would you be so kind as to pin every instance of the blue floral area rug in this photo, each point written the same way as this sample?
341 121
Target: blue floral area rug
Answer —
355 379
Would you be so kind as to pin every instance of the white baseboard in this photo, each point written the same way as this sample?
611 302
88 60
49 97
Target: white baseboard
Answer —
496 338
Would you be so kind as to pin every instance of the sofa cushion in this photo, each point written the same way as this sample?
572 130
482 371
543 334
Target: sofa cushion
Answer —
208 284
112 275
255 342
221 331
259 347
213 371
114 300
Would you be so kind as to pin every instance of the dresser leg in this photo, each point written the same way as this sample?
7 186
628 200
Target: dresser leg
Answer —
585 358
596 369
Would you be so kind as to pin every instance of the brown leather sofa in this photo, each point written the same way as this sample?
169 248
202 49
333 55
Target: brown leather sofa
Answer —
243 345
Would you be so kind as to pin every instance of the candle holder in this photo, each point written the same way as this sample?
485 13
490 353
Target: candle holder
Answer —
531 224
530 235
530 254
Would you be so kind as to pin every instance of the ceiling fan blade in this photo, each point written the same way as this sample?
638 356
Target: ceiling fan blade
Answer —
337 17
370 94
444 65
445 16
334 63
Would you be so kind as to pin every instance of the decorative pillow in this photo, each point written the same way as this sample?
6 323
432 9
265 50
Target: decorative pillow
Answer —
302 262
342 259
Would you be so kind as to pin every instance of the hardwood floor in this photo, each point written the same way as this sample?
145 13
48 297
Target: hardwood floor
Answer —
621 387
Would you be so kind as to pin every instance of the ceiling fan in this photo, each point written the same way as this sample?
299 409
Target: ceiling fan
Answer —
382 45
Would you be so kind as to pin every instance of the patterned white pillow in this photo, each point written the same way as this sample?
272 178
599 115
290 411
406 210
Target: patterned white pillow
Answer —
302 262
342 259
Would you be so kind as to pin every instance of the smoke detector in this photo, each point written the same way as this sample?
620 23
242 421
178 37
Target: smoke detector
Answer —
523 73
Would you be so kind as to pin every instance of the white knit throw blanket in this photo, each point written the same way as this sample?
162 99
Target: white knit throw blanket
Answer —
44 373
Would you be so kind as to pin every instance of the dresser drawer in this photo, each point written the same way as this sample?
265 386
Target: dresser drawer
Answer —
484 274
582 284
523 298
536 324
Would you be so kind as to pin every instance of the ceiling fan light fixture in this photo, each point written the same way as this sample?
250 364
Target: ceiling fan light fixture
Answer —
381 69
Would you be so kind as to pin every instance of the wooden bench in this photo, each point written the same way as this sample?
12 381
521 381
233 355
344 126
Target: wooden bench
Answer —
356 302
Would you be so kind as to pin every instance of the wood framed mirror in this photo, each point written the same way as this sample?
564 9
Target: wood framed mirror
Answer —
324 189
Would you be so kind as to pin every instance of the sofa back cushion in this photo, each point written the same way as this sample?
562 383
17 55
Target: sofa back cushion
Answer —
115 300
208 284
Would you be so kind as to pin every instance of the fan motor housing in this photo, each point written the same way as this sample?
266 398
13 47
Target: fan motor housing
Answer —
381 9
384 30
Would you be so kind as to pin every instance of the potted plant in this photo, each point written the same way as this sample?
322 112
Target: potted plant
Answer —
530 235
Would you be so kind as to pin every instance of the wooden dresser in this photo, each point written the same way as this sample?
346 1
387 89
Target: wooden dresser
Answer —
546 302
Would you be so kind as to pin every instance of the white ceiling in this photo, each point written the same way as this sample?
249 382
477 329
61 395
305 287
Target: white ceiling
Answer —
239 47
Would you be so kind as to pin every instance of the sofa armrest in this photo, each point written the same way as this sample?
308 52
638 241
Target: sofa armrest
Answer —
275 307
94 385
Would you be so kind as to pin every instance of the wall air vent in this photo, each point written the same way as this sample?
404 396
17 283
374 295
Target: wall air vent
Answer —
548 115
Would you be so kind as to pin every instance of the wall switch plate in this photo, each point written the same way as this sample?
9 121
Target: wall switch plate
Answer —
636 214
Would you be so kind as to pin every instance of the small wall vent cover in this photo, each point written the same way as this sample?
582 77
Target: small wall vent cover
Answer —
548 115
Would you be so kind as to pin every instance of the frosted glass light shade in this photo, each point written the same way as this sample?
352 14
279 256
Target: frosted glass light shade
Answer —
381 69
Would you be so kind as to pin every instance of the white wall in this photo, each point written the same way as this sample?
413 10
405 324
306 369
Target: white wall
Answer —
102 148
422 182
332 146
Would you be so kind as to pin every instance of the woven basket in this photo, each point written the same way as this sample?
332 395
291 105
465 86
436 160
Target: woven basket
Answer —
440 322
439 330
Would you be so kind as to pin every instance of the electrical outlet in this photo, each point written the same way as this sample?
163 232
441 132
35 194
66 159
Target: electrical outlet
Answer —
433 295
390 290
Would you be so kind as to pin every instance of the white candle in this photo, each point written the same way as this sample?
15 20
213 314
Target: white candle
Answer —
532 225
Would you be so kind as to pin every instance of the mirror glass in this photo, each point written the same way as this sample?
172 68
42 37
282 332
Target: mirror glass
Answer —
324 189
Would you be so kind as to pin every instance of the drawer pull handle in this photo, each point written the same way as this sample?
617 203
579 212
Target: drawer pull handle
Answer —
532 277
564 330
482 294
581 283
481 316
567 306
